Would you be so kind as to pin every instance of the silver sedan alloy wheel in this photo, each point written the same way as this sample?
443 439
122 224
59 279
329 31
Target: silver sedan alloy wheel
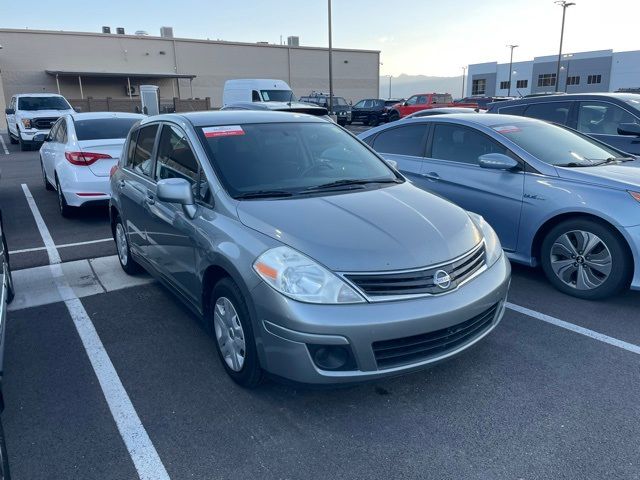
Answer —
121 244
581 260
229 334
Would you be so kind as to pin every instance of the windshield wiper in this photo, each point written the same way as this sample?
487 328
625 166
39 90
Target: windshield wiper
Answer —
574 164
264 194
613 160
348 182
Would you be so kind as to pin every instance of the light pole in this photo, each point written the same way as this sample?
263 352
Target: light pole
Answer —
564 4
389 86
330 64
510 67
464 73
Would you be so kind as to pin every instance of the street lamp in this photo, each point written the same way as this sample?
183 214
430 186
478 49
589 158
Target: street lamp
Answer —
510 67
564 4
389 86
464 74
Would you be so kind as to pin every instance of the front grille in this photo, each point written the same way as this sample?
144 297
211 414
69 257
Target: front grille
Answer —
43 123
420 282
407 350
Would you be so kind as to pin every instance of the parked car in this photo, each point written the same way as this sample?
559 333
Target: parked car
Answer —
291 107
31 114
442 111
372 111
256 90
258 221
555 197
6 296
480 101
613 118
416 103
341 108
78 154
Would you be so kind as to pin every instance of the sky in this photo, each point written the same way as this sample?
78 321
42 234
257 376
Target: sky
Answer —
415 37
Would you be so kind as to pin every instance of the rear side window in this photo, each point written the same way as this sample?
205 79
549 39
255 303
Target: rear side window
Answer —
104 128
555 112
407 140
140 161
61 133
461 144
514 110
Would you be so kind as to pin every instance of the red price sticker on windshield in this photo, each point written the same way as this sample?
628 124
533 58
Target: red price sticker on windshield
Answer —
224 131
506 129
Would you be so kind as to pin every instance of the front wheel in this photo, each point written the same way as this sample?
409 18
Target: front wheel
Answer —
13 140
233 333
393 116
128 264
586 259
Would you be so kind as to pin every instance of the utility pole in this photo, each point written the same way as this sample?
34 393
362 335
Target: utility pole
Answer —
464 74
511 67
564 4
389 86
330 64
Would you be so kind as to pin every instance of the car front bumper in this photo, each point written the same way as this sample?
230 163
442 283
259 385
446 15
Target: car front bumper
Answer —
286 329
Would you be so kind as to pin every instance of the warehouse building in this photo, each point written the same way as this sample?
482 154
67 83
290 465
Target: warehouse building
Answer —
100 65
597 71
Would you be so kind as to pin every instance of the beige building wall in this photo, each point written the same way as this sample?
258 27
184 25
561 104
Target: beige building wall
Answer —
26 54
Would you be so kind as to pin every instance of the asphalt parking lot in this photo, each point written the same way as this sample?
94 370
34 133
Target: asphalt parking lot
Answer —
552 393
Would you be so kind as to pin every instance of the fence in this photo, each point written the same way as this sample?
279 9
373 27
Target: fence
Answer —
133 105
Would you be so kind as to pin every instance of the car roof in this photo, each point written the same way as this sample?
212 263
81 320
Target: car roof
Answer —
37 95
104 115
624 97
238 117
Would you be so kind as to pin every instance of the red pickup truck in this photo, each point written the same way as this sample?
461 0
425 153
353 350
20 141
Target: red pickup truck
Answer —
422 101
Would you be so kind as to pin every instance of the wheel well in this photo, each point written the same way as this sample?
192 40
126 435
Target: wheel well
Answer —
212 275
552 222
113 214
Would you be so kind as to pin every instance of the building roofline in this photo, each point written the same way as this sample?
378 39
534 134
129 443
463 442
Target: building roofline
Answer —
177 39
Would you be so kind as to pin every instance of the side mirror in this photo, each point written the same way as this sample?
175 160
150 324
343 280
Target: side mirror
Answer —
9 111
629 129
392 163
404 104
177 190
41 137
497 161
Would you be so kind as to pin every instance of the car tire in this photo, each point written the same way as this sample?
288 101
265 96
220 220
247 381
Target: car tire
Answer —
65 210
12 140
586 259
342 123
394 116
10 290
232 329
373 121
128 264
47 184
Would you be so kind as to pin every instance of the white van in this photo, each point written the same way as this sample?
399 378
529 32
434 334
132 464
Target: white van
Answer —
256 90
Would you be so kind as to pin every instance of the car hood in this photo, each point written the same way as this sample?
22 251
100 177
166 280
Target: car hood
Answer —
392 228
42 113
623 175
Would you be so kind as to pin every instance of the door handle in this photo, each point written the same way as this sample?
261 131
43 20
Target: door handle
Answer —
433 176
121 183
150 199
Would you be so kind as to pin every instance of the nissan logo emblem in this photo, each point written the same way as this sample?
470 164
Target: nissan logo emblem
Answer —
442 279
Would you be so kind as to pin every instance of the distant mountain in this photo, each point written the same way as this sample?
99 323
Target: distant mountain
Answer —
403 86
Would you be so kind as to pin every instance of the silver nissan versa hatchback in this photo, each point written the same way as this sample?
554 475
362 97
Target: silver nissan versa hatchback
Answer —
305 254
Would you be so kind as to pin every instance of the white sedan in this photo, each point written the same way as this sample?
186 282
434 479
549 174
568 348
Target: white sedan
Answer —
78 154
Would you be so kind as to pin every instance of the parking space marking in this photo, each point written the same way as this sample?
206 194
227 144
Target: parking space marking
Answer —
4 146
65 245
144 455
52 252
630 347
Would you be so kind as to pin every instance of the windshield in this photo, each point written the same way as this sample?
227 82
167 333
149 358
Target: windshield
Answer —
42 103
339 101
290 158
278 96
103 128
560 147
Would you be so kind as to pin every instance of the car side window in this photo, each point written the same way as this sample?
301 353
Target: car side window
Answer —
131 147
422 99
141 160
360 104
602 118
408 140
412 100
53 133
555 112
255 96
62 131
513 110
175 159
462 144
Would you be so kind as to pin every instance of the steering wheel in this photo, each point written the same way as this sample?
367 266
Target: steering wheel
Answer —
317 166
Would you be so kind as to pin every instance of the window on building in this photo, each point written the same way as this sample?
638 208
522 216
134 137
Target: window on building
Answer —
522 83
479 86
504 85
592 79
573 80
547 80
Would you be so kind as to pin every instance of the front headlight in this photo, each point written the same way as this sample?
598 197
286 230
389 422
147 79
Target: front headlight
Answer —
26 123
301 278
491 240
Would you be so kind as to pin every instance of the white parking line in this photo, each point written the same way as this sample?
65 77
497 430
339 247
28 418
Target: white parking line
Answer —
4 146
64 245
143 454
630 347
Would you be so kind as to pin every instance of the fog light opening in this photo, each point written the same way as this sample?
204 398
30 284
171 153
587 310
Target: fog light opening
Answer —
332 357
